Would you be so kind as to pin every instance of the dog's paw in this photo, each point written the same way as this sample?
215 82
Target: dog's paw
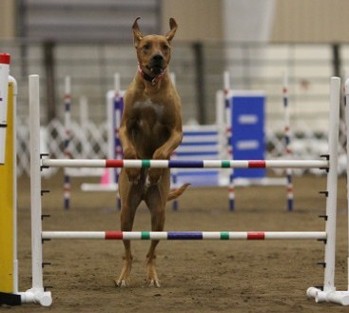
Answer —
133 175
121 283
154 175
154 283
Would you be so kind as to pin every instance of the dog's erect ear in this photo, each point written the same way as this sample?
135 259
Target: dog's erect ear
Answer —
173 27
137 35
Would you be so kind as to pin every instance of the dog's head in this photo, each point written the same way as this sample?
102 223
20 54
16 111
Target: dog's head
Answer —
153 51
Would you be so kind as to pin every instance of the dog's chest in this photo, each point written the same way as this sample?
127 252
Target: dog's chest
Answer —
148 115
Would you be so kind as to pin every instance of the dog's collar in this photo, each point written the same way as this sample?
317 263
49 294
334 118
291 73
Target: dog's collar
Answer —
153 80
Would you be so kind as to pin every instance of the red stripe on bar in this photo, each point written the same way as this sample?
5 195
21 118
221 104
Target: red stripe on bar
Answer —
5 58
114 163
256 236
256 164
113 235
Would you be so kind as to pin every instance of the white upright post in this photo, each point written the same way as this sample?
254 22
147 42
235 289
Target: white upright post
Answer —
329 292
331 203
37 292
4 73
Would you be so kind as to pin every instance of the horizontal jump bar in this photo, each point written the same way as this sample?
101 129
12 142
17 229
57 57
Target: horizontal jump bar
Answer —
182 235
186 163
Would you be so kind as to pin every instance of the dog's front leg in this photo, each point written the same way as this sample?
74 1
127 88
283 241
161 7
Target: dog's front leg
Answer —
130 153
164 153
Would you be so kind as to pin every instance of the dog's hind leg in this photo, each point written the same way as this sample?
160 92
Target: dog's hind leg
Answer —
156 199
130 199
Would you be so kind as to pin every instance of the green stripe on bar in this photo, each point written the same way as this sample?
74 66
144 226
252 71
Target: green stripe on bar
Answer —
224 235
145 235
225 164
145 163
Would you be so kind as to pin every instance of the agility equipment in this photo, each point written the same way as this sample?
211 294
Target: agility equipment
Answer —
245 136
8 196
9 293
182 235
4 73
252 164
37 293
330 165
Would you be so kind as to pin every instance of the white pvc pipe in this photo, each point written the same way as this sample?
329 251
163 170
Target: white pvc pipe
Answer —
178 235
331 200
35 185
182 163
4 73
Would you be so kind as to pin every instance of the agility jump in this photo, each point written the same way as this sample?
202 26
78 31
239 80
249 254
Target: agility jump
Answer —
329 236
38 295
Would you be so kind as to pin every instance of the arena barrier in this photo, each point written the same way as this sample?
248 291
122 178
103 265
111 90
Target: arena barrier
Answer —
330 164
37 294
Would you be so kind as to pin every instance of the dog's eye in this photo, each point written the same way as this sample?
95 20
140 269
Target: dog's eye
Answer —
147 46
165 47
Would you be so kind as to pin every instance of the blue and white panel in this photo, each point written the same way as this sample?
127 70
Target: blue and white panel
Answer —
248 137
199 143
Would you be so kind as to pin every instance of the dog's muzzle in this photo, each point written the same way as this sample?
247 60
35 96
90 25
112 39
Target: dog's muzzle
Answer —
156 65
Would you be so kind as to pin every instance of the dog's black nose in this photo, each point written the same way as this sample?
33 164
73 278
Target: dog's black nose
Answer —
158 58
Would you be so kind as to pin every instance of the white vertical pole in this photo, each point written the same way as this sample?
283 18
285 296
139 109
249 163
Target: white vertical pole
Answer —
4 73
347 134
331 201
35 181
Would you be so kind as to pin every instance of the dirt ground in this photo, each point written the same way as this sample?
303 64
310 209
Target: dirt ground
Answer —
199 276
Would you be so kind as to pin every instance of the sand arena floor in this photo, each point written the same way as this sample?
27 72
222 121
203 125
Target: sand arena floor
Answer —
200 276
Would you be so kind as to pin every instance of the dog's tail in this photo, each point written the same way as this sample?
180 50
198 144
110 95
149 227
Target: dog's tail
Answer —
175 193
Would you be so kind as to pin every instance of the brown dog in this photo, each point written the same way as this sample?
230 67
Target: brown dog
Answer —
151 128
